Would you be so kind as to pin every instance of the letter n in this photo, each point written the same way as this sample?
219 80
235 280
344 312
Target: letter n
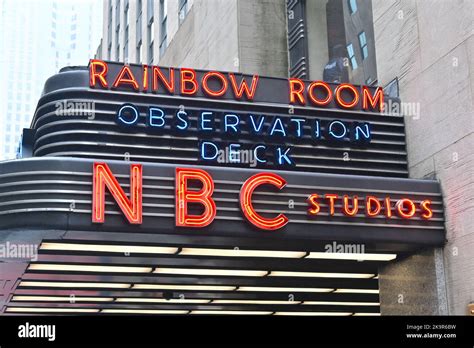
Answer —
131 208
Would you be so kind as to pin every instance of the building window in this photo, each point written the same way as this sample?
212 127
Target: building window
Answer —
150 53
139 24
125 41
182 10
352 6
163 26
363 45
139 52
117 53
109 28
151 39
117 15
391 89
150 10
352 58
127 15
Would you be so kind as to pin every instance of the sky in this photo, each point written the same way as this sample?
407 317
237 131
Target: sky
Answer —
37 38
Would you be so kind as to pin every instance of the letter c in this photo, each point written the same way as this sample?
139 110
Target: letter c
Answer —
246 193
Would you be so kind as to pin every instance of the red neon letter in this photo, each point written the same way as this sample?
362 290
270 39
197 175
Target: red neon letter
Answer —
296 90
405 202
368 99
331 197
315 205
246 193
426 207
341 101
128 80
100 75
132 208
369 201
243 87
220 77
168 84
388 207
188 76
145 77
185 196
313 98
355 206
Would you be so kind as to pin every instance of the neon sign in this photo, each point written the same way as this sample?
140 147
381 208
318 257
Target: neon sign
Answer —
214 84
227 136
370 206
265 129
188 82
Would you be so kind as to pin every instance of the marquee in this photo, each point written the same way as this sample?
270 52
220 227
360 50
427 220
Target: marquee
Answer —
135 213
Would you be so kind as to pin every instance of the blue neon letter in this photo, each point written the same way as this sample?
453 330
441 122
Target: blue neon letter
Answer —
283 156
205 118
231 125
156 114
205 146
256 129
183 118
336 135
281 129
128 115
299 127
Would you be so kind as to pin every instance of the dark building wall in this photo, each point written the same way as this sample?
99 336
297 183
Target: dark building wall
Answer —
354 24
331 23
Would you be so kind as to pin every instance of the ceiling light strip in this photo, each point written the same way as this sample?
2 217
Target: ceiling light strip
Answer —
338 303
161 300
74 284
191 251
282 289
357 291
50 310
70 299
314 313
185 287
87 268
320 274
208 312
210 272
263 302
351 256
143 311
109 248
